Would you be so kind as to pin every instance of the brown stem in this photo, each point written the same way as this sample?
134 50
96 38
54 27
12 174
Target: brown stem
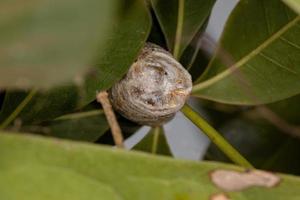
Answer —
102 97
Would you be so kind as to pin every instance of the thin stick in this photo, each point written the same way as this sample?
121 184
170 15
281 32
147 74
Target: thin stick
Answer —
102 97
216 137
18 109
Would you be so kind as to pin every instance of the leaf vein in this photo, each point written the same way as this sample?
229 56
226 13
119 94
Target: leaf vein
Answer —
268 58
246 58
290 42
268 27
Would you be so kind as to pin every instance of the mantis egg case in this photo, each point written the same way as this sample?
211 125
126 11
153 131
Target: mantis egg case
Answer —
154 89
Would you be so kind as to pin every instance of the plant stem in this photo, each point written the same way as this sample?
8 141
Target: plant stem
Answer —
156 132
18 109
102 97
215 137
179 29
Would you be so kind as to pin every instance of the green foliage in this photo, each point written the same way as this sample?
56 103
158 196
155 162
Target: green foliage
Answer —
84 126
123 44
258 58
265 145
36 168
195 12
44 105
126 37
63 52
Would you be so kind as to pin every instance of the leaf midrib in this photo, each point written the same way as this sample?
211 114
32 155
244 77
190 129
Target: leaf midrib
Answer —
179 28
243 60
80 115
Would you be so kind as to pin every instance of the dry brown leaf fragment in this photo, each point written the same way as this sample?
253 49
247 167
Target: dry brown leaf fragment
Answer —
220 196
229 180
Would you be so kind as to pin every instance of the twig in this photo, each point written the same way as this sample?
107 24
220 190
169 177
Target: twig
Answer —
102 97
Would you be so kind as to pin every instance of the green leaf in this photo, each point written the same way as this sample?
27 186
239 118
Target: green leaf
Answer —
84 126
127 38
45 105
294 4
37 168
195 58
196 65
156 35
154 142
194 14
121 47
44 43
261 45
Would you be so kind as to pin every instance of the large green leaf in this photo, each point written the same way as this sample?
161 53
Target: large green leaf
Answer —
195 12
127 38
154 142
44 43
37 168
261 45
